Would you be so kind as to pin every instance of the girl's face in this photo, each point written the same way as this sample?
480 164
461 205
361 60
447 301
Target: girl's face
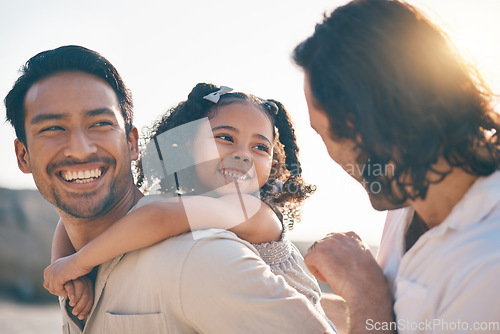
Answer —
244 139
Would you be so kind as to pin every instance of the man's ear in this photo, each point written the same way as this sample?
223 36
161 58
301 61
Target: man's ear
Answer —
23 159
133 143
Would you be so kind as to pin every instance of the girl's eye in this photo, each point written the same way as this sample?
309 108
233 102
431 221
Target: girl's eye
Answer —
262 147
224 137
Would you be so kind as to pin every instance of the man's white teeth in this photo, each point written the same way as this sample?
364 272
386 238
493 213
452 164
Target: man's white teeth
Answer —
234 175
81 176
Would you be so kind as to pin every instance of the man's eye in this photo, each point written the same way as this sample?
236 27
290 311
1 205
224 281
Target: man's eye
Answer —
52 128
100 124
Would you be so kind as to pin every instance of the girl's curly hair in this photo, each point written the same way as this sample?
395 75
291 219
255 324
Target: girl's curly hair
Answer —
285 189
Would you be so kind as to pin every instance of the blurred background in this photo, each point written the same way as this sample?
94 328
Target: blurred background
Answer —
162 49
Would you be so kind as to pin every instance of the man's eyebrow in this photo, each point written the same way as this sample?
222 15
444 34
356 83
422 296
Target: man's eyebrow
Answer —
45 117
100 111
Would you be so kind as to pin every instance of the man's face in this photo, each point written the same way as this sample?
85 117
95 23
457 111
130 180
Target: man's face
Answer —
76 144
344 152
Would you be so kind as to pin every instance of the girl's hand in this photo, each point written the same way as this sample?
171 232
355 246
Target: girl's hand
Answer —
61 271
81 296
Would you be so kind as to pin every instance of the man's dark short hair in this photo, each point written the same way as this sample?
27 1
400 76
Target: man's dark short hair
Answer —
384 74
69 58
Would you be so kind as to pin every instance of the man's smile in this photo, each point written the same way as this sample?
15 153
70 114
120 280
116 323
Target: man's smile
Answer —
81 176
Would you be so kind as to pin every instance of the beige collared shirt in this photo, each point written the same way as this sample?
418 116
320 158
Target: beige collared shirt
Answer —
217 284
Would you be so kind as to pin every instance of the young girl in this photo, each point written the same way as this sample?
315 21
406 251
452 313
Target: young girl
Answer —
240 173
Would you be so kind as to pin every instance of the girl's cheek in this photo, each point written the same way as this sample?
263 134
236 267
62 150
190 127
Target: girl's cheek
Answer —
270 163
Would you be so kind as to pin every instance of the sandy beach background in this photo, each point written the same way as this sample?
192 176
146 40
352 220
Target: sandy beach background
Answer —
17 317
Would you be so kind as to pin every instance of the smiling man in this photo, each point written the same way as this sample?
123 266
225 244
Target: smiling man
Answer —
79 149
73 119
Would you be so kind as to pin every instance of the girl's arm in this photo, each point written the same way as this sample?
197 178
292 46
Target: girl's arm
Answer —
259 223
243 214
138 229
61 245
81 290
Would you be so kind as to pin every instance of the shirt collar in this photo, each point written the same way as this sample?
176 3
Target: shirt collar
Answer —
474 206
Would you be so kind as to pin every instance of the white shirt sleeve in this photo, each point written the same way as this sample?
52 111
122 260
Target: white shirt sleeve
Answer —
227 288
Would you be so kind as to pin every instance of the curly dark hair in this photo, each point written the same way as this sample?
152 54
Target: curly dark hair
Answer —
69 58
384 74
286 168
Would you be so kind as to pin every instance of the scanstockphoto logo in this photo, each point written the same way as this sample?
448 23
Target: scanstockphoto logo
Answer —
433 326
370 170
174 165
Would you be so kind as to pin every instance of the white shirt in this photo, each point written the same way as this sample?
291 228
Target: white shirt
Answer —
449 280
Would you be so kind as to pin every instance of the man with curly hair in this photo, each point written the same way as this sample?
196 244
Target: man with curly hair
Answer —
402 113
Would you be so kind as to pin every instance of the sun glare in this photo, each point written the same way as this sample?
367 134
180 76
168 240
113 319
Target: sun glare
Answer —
473 29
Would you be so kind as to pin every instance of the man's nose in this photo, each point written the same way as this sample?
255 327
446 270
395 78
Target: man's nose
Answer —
79 145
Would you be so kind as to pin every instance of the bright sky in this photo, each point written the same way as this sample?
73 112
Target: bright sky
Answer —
163 48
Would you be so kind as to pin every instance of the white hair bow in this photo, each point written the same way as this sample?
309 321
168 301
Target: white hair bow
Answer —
215 96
